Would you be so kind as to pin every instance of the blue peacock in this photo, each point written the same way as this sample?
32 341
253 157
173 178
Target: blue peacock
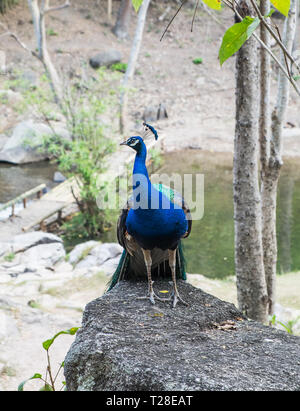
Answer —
150 229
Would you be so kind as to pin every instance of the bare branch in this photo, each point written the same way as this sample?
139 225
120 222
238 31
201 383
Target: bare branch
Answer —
55 8
23 45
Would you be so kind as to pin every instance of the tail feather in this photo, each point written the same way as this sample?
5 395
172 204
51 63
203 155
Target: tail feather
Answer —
133 267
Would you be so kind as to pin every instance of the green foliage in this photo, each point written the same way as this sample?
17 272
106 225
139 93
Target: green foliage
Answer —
282 5
236 36
137 4
9 257
287 326
198 60
51 32
119 67
89 109
49 386
213 4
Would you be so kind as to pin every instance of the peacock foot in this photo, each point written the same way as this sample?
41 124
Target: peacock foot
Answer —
178 298
152 297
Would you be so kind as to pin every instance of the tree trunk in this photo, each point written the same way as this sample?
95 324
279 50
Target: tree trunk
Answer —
285 199
123 19
135 48
38 17
271 169
251 286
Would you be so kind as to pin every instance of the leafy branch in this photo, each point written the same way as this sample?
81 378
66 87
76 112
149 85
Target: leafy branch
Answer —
237 34
49 386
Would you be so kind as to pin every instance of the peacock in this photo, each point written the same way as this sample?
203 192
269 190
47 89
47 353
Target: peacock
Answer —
150 228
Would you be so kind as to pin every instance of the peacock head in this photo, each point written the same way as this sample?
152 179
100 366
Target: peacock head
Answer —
135 142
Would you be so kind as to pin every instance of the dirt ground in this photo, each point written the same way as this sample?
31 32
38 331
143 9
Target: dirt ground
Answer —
199 98
200 101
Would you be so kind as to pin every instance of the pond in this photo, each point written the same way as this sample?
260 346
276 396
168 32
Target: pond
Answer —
210 248
16 179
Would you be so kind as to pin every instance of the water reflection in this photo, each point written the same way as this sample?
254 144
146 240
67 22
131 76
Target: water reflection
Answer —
15 180
210 248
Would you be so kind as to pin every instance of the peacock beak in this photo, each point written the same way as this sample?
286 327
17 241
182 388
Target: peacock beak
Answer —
124 143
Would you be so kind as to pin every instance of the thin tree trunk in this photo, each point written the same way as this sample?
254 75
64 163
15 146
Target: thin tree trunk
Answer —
38 17
123 19
273 165
285 198
265 87
135 48
251 286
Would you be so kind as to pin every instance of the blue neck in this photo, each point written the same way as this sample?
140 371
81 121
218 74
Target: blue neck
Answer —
141 177
140 162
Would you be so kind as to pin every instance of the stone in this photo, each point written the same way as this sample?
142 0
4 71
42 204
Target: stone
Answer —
26 140
99 254
92 253
7 325
127 344
81 250
58 177
23 242
5 248
110 266
43 255
105 58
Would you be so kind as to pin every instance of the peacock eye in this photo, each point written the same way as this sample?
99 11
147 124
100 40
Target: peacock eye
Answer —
133 142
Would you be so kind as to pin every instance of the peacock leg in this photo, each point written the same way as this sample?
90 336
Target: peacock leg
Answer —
148 263
172 264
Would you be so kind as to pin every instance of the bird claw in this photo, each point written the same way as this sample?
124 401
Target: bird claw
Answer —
152 297
178 298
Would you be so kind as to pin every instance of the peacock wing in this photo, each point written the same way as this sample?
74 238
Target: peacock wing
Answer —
125 239
176 198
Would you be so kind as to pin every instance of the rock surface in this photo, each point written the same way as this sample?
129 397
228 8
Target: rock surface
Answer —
26 139
105 58
127 344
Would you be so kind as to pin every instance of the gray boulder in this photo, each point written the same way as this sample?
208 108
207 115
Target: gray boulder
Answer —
26 140
126 344
23 242
80 251
96 254
105 58
43 255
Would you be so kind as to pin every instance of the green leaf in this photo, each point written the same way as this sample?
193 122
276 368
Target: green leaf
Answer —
21 386
46 387
213 4
137 4
47 344
236 36
282 5
270 13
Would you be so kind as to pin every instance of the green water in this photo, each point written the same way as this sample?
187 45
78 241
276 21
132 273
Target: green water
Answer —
209 250
16 179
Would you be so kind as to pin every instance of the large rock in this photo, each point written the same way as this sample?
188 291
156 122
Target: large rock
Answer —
96 254
80 251
26 140
43 255
22 242
126 344
106 58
